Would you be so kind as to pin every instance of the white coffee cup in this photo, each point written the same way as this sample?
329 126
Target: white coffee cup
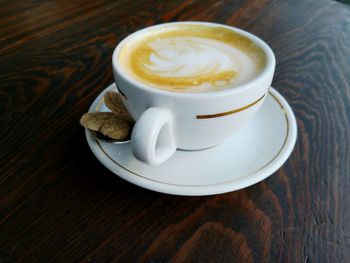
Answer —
168 120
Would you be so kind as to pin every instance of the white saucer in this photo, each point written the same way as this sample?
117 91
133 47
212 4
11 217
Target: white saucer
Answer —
250 156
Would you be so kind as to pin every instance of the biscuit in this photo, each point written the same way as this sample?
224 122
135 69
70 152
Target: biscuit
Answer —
108 123
114 102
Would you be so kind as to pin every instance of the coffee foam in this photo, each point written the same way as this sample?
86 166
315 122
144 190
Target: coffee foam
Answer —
192 58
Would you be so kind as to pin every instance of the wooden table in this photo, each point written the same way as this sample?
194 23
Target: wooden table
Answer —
59 204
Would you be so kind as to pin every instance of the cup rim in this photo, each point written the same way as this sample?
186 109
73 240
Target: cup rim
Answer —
269 67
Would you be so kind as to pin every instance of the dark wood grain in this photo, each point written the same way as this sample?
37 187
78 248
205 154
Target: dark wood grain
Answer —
59 204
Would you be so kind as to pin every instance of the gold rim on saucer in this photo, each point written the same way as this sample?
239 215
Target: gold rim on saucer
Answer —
267 164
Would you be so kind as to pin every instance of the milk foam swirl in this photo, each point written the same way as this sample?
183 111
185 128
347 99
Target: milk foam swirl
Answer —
196 61
188 57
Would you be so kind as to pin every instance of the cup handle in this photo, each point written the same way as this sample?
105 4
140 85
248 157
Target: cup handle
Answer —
152 139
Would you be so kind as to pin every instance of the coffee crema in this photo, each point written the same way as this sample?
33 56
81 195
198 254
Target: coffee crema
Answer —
191 58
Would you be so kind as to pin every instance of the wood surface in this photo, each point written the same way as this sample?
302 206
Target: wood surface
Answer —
59 204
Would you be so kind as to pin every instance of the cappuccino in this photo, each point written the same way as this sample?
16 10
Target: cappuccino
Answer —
191 58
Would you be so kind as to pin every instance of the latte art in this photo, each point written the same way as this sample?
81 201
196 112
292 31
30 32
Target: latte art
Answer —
192 59
188 62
